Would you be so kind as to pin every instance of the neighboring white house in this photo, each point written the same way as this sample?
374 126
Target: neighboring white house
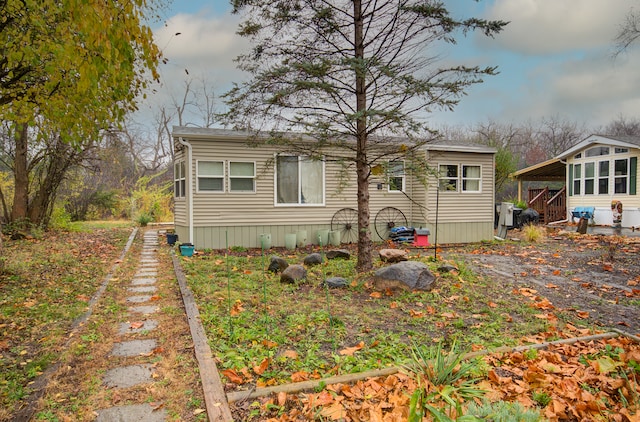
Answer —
598 171
228 193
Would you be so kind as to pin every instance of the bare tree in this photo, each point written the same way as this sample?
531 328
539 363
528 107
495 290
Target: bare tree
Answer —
622 126
628 33
555 135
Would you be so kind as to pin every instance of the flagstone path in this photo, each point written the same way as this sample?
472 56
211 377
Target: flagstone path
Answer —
142 289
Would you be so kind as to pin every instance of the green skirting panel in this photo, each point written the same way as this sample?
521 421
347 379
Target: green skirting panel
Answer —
249 236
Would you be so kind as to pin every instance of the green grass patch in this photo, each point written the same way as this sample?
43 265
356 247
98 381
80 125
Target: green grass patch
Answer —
268 332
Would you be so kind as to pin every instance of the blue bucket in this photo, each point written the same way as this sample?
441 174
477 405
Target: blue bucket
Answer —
186 249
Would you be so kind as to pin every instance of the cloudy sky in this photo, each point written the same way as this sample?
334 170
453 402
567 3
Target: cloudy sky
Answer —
554 59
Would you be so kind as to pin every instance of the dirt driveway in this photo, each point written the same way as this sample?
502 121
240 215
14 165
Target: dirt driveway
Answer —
596 277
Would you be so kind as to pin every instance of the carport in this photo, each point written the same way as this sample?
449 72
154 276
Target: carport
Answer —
551 204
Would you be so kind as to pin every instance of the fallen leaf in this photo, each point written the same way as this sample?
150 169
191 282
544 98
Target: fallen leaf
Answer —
349 351
259 370
291 354
232 375
137 324
416 314
583 314
237 308
282 398
269 344
493 305
375 295
299 376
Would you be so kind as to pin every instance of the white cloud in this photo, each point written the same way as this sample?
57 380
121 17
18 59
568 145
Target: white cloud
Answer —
203 52
541 27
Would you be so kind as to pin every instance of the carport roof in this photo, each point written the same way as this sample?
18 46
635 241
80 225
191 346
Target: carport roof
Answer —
550 170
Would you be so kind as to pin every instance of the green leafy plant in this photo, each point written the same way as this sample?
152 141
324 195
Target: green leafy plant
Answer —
542 398
445 383
144 219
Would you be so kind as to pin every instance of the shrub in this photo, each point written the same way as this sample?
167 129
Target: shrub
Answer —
533 233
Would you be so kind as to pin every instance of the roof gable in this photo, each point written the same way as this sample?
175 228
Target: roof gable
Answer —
618 141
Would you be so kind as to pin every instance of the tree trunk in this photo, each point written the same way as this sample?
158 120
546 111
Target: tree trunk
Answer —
362 167
21 175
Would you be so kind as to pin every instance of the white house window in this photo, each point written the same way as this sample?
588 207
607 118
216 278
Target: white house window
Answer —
179 179
577 176
210 176
396 176
621 176
448 177
242 176
460 178
471 178
603 177
299 180
619 150
589 178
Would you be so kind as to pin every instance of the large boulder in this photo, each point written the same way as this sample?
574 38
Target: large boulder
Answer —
277 264
406 275
293 273
393 255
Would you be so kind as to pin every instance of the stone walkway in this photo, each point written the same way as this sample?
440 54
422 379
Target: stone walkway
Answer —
141 292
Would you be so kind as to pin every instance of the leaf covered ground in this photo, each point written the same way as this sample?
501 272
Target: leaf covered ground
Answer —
508 293
47 284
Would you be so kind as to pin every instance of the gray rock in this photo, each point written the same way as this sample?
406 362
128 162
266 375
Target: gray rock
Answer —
293 273
313 259
277 264
447 268
338 253
393 255
406 275
336 282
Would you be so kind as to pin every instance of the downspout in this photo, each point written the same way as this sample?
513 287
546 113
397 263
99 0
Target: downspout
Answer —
189 186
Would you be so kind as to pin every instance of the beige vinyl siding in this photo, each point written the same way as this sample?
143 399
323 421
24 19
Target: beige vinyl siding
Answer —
224 219
462 207
259 208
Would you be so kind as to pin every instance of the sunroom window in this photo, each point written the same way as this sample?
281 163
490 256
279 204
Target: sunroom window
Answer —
621 176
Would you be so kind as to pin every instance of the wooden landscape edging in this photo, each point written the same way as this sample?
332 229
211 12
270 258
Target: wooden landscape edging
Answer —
214 397
347 378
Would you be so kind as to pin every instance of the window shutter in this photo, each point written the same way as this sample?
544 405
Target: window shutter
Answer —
633 163
570 179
